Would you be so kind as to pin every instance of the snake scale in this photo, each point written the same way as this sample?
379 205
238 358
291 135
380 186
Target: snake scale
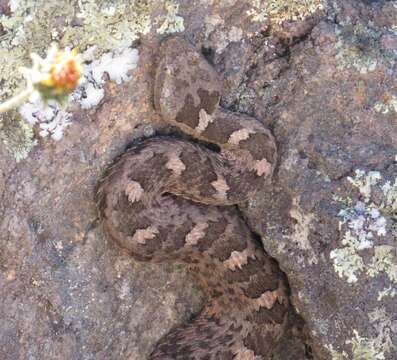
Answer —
170 199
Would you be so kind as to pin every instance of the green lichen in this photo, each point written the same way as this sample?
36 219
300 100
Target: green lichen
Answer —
365 348
347 262
358 47
279 11
351 57
109 25
172 21
384 261
362 224
17 135
389 204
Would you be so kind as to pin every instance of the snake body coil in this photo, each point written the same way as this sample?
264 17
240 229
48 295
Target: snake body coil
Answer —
170 200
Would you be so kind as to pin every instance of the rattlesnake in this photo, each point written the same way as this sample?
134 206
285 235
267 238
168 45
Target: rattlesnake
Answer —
170 199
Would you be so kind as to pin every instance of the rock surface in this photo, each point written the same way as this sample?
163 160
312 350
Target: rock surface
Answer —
325 83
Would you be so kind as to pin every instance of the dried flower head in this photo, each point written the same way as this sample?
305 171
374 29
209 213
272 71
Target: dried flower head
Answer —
52 78
56 76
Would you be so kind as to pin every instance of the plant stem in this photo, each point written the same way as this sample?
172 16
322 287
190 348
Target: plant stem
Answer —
16 100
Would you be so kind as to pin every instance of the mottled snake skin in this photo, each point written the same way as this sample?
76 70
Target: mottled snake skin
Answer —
171 200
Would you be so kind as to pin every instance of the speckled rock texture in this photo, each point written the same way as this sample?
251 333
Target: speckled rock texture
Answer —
324 82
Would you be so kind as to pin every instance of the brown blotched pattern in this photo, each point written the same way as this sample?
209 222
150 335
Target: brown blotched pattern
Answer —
169 200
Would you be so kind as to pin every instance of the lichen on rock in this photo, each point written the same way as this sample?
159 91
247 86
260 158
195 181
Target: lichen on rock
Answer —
279 11
17 135
364 225
375 348
359 46
172 21
387 106
52 119
110 27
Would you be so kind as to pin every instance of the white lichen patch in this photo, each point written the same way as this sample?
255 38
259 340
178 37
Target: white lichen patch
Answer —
51 119
93 96
115 64
365 224
385 107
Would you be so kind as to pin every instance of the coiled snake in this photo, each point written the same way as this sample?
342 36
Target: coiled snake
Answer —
172 200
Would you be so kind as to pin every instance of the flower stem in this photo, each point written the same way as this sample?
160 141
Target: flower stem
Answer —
16 100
